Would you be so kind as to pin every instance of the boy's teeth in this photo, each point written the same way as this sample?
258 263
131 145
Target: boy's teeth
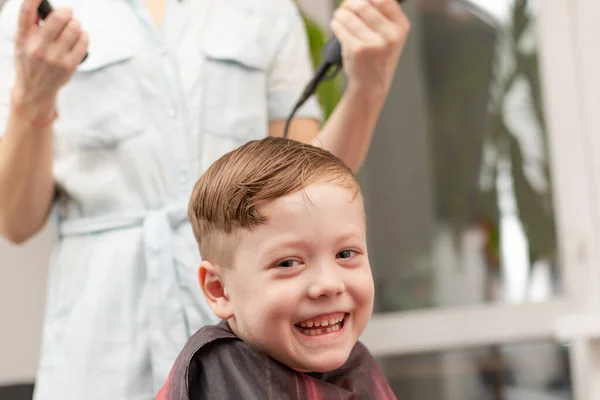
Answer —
321 327
320 331
322 323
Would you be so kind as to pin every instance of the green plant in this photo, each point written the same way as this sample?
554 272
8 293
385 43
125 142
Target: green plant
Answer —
534 205
328 92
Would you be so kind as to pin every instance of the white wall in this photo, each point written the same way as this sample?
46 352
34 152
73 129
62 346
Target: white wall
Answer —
23 272
318 10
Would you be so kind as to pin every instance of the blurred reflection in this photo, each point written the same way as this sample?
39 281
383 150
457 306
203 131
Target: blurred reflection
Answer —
458 186
529 371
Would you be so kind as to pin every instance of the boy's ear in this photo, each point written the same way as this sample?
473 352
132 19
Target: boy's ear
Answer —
213 288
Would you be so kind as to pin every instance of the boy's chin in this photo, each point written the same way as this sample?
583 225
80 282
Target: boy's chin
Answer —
323 364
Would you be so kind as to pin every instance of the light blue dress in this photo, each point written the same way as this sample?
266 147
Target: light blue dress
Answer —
141 119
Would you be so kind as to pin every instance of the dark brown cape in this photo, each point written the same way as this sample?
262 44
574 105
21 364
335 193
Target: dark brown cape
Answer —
216 364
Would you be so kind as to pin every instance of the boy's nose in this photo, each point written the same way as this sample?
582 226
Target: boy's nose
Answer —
326 283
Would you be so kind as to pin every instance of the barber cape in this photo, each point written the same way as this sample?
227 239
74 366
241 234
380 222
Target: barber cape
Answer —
216 364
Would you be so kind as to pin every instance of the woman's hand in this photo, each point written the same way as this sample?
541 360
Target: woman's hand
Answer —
372 34
46 57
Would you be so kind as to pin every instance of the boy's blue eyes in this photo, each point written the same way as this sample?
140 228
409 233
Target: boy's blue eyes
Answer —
292 263
344 254
287 263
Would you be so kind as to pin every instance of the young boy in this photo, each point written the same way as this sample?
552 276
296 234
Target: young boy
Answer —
281 230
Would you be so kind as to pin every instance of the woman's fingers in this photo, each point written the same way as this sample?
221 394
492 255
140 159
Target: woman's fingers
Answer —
52 29
68 38
76 54
28 18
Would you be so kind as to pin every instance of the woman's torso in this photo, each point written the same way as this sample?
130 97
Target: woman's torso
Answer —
141 119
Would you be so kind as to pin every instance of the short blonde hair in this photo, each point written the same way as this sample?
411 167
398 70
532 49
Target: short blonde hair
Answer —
226 198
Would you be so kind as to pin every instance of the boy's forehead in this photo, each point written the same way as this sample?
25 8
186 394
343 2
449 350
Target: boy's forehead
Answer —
321 195
302 222
338 211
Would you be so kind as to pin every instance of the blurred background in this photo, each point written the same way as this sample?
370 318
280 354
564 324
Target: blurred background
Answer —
479 190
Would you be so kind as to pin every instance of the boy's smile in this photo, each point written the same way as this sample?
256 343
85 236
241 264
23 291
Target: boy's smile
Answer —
322 324
316 337
301 287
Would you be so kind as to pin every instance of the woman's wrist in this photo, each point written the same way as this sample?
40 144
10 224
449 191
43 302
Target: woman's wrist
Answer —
367 98
367 92
40 114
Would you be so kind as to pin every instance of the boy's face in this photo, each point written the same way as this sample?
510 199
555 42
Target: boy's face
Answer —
301 287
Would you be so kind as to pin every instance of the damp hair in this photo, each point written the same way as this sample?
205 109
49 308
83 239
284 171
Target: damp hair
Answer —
226 200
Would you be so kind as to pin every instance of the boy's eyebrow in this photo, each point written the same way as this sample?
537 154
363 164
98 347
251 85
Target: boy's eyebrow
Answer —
276 244
351 235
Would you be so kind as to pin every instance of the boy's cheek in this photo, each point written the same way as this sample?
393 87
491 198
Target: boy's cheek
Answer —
364 284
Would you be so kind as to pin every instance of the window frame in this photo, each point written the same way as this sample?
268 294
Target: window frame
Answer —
570 61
